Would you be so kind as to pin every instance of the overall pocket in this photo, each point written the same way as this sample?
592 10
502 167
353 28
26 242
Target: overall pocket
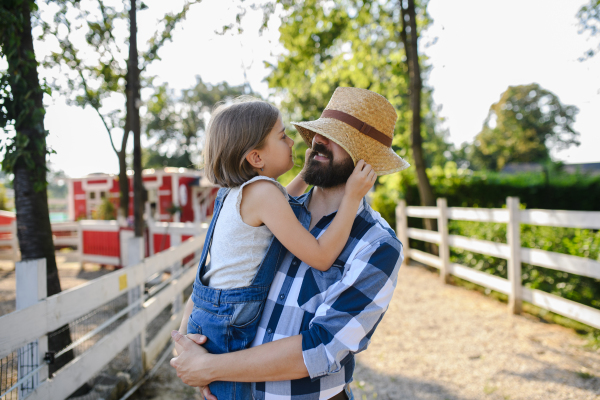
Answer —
244 324
214 326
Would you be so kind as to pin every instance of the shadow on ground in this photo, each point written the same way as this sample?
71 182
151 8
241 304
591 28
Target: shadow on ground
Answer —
369 384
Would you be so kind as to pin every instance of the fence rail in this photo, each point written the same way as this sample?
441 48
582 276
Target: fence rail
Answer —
33 323
104 242
511 251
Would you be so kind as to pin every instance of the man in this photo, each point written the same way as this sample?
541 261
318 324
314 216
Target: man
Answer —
314 322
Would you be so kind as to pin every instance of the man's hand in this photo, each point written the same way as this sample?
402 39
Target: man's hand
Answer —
192 362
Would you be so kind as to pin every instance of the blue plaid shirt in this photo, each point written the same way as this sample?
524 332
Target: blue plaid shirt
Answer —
335 311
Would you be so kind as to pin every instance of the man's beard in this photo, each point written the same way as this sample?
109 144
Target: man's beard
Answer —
327 174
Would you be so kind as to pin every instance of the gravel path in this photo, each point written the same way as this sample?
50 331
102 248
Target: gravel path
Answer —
445 342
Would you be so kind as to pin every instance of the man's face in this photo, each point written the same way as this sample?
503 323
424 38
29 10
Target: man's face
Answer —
328 165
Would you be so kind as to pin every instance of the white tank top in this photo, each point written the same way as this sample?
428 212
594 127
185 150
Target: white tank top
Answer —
237 248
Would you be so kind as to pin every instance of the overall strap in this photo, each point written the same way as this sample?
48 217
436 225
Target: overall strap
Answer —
221 195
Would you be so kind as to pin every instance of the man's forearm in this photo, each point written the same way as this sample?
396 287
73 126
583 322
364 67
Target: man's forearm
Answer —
275 361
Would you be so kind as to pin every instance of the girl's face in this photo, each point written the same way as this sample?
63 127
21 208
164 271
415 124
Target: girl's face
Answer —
277 153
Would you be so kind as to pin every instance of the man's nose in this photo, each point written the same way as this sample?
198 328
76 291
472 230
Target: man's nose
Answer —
318 138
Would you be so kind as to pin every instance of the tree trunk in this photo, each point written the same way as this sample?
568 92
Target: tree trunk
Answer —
133 116
123 179
409 37
31 201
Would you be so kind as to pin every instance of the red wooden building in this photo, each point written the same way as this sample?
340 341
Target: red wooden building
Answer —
168 187
104 242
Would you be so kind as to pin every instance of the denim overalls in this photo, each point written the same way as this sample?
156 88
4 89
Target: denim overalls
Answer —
229 317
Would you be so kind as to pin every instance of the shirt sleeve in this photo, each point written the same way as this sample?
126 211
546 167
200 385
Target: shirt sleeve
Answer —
352 308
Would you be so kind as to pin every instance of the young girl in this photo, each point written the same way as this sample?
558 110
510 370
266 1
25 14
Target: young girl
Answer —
246 150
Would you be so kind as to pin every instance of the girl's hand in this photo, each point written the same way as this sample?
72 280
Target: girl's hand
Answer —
362 179
306 155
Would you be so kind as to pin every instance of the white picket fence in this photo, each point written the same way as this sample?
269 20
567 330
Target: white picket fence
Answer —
46 314
512 251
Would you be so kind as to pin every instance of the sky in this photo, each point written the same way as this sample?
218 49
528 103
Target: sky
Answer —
476 49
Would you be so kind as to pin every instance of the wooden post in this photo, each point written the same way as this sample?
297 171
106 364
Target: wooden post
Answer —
31 288
513 233
402 229
151 229
176 268
135 255
442 205
80 243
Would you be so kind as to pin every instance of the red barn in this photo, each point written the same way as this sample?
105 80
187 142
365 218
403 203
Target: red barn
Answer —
167 188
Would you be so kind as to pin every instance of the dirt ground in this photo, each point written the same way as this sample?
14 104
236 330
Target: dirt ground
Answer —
444 342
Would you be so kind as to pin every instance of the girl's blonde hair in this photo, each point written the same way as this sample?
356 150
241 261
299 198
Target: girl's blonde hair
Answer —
233 131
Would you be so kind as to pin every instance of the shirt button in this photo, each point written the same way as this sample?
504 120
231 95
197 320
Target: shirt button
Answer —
282 296
269 331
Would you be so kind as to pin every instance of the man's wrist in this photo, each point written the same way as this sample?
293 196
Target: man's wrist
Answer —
215 371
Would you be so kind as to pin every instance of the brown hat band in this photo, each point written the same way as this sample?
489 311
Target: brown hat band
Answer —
359 125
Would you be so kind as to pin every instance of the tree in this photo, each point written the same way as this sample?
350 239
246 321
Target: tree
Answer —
133 120
25 151
589 20
410 38
104 74
176 124
523 126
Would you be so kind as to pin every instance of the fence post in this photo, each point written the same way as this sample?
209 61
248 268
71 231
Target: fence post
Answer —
80 243
30 278
135 255
15 242
176 268
442 205
513 233
402 229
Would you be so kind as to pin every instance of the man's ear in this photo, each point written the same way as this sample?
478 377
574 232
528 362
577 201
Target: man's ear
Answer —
254 159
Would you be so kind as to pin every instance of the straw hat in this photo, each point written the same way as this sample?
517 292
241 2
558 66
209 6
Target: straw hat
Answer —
362 123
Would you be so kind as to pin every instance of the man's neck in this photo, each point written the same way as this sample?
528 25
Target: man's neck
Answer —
324 202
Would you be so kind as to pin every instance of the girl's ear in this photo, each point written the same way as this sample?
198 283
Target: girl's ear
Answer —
254 159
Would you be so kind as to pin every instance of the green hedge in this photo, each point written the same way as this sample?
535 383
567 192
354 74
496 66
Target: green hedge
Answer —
465 188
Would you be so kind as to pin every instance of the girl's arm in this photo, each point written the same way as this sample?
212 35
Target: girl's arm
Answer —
187 311
278 216
297 186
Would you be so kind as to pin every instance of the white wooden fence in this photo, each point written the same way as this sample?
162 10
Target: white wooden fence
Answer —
46 314
72 234
512 251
